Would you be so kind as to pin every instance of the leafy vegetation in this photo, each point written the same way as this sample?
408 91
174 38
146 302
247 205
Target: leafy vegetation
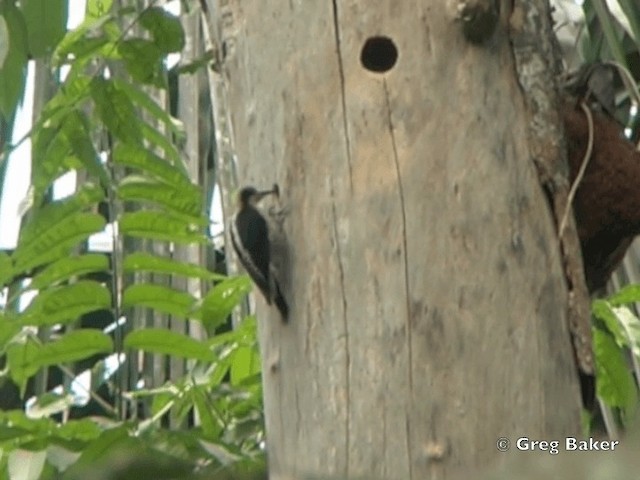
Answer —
616 338
104 123
613 37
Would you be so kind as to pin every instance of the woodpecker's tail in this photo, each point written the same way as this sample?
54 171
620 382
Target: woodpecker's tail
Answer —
280 302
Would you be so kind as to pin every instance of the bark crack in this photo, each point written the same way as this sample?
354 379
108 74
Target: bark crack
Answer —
403 211
408 441
406 269
345 323
345 124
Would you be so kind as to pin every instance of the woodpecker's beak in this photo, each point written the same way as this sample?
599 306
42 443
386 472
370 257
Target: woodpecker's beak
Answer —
260 195
264 193
251 196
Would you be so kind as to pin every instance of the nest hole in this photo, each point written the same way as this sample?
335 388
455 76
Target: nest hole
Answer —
379 54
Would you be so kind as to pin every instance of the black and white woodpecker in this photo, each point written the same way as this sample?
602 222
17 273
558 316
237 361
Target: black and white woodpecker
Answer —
250 238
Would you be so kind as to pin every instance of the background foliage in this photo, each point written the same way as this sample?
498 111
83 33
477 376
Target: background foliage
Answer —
608 33
112 326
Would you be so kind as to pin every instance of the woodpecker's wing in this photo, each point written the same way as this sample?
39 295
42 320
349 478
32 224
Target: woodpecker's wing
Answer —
279 300
250 237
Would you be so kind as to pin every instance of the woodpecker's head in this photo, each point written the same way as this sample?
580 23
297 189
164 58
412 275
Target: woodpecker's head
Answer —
251 196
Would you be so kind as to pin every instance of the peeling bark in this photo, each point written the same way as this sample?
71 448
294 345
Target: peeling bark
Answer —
534 50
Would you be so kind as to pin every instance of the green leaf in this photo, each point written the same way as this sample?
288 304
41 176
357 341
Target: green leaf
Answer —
6 269
220 371
88 48
210 424
20 362
77 132
60 458
160 298
98 8
57 240
145 262
26 464
615 384
25 359
69 96
243 334
132 457
142 99
14 68
222 299
224 338
143 60
103 446
68 267
630 325
49 216
66 303
182 406
79 45
165 29
149 163
180 199
161 399
54 158
228 456
75 88
9 433
46 24
116 110
18 421
591 40
160 226
74 345
63 145
85 430
4 40
9 328
603 310
631 10
158 340
159 139
627 294
244 364
609 30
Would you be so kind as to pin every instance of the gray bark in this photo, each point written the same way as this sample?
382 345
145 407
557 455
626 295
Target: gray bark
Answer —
428 302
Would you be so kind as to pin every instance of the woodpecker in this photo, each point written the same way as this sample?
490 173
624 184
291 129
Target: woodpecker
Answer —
250 238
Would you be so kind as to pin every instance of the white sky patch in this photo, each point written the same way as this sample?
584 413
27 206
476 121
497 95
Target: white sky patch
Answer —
173 7
217 221
76 13
17 179
65 185
18 176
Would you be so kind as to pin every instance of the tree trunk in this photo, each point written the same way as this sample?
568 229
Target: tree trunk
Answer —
428 302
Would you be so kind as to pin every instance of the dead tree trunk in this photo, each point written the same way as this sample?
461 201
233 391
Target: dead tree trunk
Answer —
428 301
